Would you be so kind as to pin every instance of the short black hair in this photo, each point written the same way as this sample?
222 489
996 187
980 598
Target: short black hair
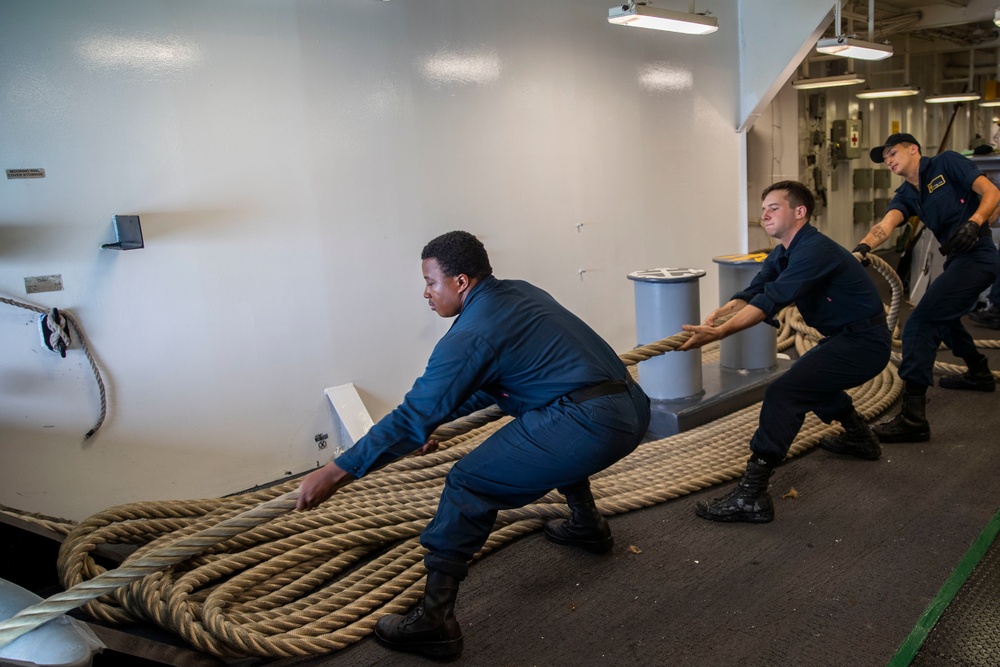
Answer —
797 193
459 252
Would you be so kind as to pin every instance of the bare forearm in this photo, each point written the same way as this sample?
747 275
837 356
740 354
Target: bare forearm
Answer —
725 311
989 199
744 318
878 234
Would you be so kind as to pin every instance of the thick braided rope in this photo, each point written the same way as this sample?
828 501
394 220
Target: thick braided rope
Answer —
51 523
288 588
86 350
284 558
175 552
291 586
945 367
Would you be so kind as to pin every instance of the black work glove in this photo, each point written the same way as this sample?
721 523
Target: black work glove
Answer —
963 240
864 249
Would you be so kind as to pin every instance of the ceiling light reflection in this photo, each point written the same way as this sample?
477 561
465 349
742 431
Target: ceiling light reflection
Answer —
448 67
158 56
658 77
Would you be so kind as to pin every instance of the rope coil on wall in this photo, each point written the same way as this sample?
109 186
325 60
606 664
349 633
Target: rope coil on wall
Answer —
240 576
55 329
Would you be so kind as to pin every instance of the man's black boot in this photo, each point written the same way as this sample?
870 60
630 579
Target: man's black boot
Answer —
910 425
585 528
430 628
748 502
856 440
977 378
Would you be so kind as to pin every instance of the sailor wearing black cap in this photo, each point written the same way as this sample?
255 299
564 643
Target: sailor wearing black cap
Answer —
954 199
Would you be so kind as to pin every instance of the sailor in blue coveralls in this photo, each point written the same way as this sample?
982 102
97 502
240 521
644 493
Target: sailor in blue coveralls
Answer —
576 412
954 199
836 296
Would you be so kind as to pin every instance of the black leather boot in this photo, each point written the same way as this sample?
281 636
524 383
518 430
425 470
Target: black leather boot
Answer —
586 527
856 440
910 425
977 378
430 628
748 502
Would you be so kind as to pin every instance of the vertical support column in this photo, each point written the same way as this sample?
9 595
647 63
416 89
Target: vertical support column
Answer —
755 348
664 300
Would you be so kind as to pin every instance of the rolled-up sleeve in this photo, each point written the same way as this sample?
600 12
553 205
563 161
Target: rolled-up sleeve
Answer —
755 293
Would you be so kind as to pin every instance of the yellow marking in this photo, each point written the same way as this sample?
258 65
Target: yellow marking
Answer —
935 183
754 257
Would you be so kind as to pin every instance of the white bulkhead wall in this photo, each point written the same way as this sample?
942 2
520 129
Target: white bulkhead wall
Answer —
288 160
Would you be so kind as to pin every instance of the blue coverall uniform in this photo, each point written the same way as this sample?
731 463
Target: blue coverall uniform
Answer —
837 297
513 345
944 201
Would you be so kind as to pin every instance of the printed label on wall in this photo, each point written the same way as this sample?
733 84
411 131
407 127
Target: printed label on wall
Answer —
25 173
35 284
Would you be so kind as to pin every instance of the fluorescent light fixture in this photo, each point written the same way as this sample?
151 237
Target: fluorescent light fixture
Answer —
882 93
827 81
644 16
954 97
996 18
990 103
849 47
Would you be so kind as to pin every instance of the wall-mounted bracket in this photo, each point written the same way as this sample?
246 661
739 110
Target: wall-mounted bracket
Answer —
128 232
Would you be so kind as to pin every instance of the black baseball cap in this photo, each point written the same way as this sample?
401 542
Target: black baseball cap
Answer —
898 138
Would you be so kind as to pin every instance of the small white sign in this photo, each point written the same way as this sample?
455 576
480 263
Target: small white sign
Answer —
35 284
25 173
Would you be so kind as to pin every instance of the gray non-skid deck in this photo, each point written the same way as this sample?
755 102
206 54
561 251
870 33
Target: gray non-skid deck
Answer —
964 621
840 578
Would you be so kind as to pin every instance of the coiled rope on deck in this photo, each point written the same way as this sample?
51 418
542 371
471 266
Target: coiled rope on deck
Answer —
308 583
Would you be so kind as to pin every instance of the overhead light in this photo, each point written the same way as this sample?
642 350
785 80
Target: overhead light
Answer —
644 16
996 18
969 95
990 103
906 90
849 47
954 97
827 81
881 93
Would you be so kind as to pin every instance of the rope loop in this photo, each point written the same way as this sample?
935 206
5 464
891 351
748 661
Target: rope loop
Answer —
54 326
55 331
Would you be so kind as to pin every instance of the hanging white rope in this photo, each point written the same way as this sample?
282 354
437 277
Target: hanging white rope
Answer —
55 329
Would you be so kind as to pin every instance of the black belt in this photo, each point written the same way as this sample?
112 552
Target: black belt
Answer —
605 388
865 324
